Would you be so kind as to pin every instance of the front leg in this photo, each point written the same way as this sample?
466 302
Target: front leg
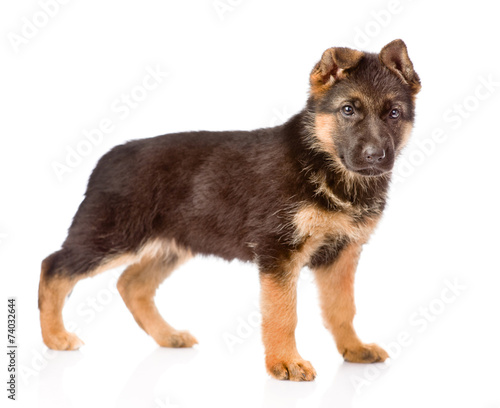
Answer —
336 290
279 319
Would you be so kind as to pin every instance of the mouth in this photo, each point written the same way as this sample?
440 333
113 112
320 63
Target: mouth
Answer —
371 171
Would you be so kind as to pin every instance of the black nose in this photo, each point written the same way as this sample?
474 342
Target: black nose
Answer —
373 154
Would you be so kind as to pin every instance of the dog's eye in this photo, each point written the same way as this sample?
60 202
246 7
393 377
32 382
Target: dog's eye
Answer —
347 110
394 114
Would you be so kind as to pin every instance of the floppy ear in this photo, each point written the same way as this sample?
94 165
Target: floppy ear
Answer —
395 57
331 67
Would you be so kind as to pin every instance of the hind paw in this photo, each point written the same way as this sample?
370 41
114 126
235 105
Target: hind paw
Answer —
63 341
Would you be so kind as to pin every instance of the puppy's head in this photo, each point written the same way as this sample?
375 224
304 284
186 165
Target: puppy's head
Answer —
363 106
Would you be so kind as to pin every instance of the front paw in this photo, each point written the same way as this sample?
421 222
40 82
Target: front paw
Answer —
293 370
365 353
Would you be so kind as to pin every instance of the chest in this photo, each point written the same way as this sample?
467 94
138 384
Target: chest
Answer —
325 233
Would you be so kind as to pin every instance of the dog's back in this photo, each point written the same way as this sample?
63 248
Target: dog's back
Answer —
220 193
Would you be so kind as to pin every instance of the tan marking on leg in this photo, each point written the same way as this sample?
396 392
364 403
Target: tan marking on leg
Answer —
336 290
279 316
52 293
279 319
138 285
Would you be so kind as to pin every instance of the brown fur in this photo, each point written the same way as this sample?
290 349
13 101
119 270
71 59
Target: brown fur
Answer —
395 57
306 193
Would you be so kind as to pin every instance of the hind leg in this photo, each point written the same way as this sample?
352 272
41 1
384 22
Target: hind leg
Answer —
138 285
60 272
52 294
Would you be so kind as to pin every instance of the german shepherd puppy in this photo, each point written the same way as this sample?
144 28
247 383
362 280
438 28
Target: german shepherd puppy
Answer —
306 193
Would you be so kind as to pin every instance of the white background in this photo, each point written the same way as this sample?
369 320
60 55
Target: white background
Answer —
243 67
